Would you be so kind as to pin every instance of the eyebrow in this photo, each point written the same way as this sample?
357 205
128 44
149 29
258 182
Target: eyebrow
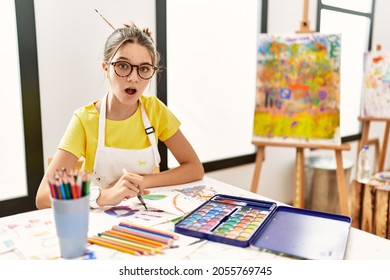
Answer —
121 58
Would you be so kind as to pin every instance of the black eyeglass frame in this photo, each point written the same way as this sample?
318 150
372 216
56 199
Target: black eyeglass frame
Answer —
132 67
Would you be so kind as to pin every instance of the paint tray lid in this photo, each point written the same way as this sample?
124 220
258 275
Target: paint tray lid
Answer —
304 234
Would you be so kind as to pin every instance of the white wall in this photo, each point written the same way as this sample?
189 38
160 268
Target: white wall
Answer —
71 36
70 42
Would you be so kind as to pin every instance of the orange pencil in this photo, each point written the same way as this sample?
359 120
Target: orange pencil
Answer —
93 240
137 245
137 239
127 244
73 186
144 234
106 240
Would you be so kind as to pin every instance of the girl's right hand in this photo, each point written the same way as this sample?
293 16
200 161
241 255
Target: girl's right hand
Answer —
129 185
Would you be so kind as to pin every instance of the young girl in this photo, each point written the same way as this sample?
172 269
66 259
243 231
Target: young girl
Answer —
118 135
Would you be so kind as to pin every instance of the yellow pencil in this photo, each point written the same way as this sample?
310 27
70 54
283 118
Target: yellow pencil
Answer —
112 246
122 244
134 244
144 234
137 238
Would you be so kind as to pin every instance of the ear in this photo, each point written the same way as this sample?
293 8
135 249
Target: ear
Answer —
105 67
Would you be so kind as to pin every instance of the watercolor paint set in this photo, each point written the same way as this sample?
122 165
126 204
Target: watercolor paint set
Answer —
244 222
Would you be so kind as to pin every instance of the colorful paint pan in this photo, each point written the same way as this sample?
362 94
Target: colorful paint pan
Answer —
209 216
225 219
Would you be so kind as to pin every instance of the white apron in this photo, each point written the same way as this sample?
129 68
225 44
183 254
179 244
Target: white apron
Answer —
109 161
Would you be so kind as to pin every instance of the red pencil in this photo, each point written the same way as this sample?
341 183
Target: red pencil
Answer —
53 190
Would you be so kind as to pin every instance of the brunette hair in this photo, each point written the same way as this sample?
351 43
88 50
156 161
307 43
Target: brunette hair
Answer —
130 33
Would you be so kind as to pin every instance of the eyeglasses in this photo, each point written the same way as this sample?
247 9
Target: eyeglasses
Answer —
123 69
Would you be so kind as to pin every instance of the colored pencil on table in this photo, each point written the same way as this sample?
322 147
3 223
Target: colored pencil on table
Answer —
124 245
135 238
151 230
93 240
136 244
144 234
144 240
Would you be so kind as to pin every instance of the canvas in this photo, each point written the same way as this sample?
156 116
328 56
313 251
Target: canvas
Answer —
376 87
298 89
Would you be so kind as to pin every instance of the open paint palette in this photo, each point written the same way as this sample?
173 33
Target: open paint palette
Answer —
262 224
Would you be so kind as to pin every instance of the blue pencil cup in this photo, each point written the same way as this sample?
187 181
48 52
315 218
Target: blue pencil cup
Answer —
71 219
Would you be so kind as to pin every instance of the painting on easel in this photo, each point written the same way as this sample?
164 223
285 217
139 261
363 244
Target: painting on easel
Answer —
376 87
298 89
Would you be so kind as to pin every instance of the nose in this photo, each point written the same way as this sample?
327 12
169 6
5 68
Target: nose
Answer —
133 76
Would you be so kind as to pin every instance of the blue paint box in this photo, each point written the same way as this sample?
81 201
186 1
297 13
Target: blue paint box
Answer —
290 231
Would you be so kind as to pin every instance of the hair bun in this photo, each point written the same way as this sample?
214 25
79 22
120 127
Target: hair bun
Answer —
131 24
148 33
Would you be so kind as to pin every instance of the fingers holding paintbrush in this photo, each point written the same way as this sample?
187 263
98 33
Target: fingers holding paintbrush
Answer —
139 196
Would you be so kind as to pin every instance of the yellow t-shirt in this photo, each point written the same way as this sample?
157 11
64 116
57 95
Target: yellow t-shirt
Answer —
81 135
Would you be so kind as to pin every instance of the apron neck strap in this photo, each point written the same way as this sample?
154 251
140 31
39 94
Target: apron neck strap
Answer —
149 129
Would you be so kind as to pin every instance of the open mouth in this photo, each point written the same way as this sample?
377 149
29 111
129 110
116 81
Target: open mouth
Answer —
131 91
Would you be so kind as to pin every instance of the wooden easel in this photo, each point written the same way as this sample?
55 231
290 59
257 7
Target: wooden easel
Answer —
370 202
369 207
299 191
298 200
366 122
305 23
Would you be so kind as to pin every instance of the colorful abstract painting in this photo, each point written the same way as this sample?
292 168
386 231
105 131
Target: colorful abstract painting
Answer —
201 192
376 89
298 88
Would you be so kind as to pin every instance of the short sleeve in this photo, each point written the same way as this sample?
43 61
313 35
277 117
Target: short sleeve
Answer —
74 138
165 123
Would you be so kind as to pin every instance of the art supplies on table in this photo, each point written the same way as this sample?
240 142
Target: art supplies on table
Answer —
244 222
70 203
135 239
383 177
69 185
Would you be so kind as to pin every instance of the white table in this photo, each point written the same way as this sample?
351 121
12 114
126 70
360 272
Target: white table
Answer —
31 235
